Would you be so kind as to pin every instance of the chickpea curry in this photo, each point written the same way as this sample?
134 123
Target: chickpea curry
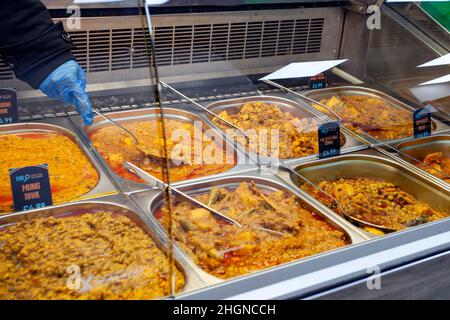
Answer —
186 159
112 257
375 201
71 173
226 251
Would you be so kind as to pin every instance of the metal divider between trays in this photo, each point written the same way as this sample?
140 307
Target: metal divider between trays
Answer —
373 145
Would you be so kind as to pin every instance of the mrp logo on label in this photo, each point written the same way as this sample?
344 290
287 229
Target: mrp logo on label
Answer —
329 139
23 178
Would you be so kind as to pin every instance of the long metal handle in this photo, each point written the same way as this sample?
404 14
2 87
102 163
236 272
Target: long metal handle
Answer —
201 107
117 124
161 184
303 97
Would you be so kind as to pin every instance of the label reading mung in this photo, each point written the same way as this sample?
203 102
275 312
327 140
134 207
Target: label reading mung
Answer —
30 187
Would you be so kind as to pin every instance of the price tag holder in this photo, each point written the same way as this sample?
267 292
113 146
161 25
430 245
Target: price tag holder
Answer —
319 81
329 139
30 187
8 106
422 123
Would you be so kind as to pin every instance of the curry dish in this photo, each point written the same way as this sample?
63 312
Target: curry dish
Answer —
187 160
225 250
438 164
71 173
375 201
297 137
372 116
115 259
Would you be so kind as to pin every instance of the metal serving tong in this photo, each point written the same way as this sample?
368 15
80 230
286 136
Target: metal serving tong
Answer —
156 183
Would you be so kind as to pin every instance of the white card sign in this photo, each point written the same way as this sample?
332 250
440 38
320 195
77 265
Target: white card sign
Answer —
442 79
437 62
303 69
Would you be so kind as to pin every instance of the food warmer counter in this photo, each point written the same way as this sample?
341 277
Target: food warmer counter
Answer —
311 227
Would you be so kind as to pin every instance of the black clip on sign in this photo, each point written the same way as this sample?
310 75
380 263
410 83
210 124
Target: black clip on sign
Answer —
329 139
30 187
319 81
8 106
422 122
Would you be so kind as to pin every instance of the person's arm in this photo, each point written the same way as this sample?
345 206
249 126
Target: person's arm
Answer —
38 51
31 44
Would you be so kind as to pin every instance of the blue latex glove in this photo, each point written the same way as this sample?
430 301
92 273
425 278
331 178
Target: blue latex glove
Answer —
67 83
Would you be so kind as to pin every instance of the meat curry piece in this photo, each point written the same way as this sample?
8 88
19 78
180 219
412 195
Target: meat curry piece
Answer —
297 137
372 116
438 164
114 258
71 173
183 139
226 251
375 201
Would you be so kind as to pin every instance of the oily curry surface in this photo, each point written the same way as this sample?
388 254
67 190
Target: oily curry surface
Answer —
375 201
372 116
438 164
71 173
191 153
225 250
101 255
262 121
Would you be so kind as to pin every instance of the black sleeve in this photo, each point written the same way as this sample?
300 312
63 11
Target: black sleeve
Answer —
30 43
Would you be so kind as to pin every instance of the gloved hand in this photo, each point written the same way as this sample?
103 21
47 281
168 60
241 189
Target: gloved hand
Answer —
67 83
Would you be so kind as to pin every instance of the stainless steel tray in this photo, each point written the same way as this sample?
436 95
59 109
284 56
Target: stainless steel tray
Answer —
420 148
151 201
128 186
104 186
317 95
373 164
286 105
117 204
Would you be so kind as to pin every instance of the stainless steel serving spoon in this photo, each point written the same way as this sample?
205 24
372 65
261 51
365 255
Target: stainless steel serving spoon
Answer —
157 183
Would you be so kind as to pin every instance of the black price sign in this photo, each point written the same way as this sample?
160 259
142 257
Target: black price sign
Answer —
30 187
422 122
8 106
329 139
319 81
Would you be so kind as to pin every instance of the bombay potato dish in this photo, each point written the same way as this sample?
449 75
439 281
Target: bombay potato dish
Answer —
226 251
183 139
438 164
113 257
71 173
372 116
375 201
297 137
